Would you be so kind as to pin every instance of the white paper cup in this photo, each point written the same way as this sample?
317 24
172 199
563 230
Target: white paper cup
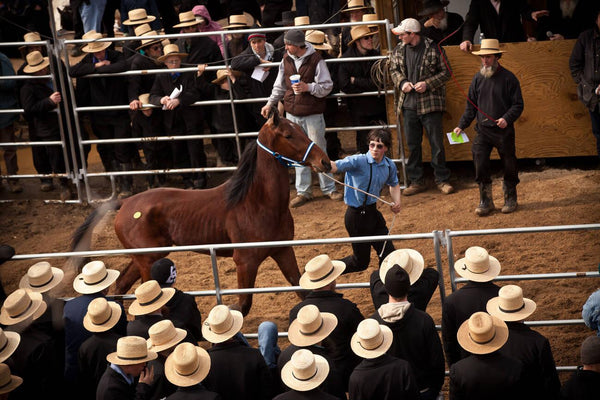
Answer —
295 79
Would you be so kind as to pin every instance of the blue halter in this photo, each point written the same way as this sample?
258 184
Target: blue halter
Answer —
286 162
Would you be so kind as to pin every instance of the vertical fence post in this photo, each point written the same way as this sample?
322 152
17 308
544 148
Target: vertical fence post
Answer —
450 253
215 269
437 241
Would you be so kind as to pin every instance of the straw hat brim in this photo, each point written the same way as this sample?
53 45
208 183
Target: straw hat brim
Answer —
238 321
493 271
192 379
493 308
217 81
29 69
388 338
81 287
11 345
137 309
115 315
88 49
113 358
15 382
338 268
164 56
179 336
500 337
290 381
322 46
190 23
417 260
146 20
487 52
57 277
148 44
36 309
236 26
356 8
297 338
362 36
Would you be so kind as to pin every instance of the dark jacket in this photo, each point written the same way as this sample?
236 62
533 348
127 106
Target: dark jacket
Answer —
92 360
196 392
315 394
419 292
458 307
161 387
585 66
506 26
454 24
40 110
203 50
383 378
584 18
140 325
9 96
582 385
140 84
113 386
184 312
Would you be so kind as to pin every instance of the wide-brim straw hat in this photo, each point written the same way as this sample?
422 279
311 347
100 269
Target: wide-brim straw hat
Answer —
222 76
101 315
222 324
432 6
148 42
305 371
35 62
477 265
187 365
317 39
510 305
21 305
9 341
188 19
30 37
371 339
94 47
355 5
311 326
144 98
141 29
482 333
171 50
164 335
131 350
408 259
149 297
8 382
94 278
370 17
359 32
488 47
41 277
238 21
302 20
138 16
321 271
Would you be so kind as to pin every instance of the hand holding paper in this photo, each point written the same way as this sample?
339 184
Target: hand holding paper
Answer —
457 136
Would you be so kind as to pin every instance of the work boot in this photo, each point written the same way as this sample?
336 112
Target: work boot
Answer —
298 201
414 188
46 185
486 201
65 190
126 182
14 186
510 198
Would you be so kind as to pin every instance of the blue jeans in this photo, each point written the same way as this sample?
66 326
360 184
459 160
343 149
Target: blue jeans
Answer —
267 343
314 127
413 129
91 15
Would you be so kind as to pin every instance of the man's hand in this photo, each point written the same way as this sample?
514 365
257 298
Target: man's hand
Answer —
420 87
542 13
432 22
135 105
407 87
557 36
164 100
229 73
597 91
147 375
172 104
501 122
466 45
300 87
102 63
396 208
201 69
457 130
265 111
55 97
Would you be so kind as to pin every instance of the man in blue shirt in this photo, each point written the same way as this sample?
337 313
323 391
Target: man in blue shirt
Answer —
368 172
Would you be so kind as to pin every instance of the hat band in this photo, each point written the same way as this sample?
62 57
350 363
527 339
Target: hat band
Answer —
489 48
132 358
52 277
138 19
189 20
191 373
474 272
372 348
153 300
97 282
106 320
35 65
4 345
482 342
512 311
24 311
237 23
324 276
306 379
313 331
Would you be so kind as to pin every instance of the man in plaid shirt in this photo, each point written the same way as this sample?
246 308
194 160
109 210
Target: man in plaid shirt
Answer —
420 74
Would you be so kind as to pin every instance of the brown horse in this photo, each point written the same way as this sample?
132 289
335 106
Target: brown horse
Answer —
252 206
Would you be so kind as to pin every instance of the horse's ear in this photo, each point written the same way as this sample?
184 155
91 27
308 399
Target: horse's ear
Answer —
274 115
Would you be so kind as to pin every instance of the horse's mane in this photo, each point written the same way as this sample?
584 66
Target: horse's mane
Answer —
242 179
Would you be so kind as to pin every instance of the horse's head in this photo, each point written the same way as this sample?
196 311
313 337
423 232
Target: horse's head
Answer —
288 139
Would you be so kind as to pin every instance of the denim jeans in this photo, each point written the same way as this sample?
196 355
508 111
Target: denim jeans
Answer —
413 129
91 15
267 343
314 127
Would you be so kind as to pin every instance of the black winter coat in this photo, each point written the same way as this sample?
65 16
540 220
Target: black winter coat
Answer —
140 84
113 386
196 392
92 360
383 378
184 313
39 109
506 26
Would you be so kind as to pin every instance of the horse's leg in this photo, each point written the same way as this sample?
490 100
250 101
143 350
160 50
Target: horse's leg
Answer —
286 260
247 263
139 267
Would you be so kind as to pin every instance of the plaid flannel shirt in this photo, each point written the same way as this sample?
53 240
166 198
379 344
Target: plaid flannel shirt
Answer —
432 71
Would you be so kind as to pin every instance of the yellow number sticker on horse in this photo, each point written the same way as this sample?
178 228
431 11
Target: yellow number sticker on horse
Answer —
137 214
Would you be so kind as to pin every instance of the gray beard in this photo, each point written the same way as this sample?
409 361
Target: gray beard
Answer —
443 23
487 72
568 7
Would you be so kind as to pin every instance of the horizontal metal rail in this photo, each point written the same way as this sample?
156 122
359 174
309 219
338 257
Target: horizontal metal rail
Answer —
531 277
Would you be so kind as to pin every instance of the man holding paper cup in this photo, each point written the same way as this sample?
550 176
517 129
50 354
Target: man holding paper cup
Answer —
304 103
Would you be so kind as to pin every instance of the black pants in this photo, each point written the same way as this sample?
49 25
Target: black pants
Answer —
366 221
113 127
503 140
157 153
47 159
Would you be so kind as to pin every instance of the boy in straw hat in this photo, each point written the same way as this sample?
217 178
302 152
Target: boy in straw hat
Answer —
354 11
127 376
415 337
480 269
246 378
379 375
485 374
583 384
319 276
186 367
497 94
525 344
150 298
304 374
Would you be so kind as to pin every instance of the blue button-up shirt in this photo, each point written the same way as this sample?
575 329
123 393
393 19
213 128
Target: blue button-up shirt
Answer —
358 171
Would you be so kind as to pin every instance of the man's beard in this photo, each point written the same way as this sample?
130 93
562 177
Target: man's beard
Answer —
567 8
443 23
487 72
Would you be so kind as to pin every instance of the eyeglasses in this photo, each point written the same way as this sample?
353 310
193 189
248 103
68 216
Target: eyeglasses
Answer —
368 38
373 145
157 47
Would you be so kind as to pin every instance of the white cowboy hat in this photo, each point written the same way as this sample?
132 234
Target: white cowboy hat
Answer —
305 371
482 333
101 315
510 305
311 326
187 365
164 335
222 324
41 277
149 297
321 271
131 350
371 339
94 278
477 265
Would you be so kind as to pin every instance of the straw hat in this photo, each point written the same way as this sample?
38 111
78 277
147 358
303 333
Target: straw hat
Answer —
410 260
482 333
321 271
30 37
188 19
237 22
131 350
371 339
20 305
171 50
311 326
360 31
138 16
164 335
8 382
101 315
9 341
141 29
488 46
354 5
222 76
149 297
148 42
41 277
144 98
187 365
317 39
299 21
94 278
35 62
370 17
510 305
94 47
305 371
221 324
477 265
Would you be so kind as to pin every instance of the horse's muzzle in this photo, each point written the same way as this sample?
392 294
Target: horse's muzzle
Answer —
326 166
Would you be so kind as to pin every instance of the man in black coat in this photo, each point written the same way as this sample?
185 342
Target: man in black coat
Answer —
470 298
415 337
438 24
567 19
584 383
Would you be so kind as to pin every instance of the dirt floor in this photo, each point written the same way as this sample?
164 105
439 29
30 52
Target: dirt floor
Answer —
562 192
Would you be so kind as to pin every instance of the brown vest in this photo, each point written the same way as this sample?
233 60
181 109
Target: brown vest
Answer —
302 104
